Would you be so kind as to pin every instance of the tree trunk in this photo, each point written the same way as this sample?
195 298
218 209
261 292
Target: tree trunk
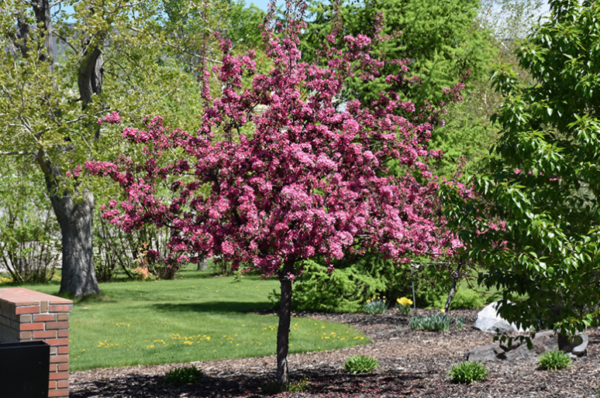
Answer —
456 276
76 224
283 331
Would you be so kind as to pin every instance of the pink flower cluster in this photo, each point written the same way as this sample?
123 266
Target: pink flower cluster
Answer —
308 180
113 118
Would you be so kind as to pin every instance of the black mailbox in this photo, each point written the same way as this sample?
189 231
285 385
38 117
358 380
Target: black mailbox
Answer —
24 369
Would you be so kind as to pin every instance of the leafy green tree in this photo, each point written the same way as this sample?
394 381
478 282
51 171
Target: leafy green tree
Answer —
60 72
440 37
531 215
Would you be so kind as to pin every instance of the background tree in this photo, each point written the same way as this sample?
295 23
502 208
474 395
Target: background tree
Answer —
299 179
60 72
530 216
441 39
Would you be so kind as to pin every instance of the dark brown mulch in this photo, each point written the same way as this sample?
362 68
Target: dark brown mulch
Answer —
412 364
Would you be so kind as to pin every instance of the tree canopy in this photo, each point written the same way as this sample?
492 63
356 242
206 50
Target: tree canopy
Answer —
531 215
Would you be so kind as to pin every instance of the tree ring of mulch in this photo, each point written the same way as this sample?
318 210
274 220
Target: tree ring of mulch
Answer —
411 364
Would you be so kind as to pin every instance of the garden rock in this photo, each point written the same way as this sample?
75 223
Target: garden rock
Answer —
577 347
488 320
543 342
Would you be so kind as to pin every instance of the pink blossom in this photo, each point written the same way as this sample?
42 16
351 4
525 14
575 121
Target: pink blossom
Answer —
309 181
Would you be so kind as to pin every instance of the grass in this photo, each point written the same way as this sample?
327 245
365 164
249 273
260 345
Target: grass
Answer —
196 317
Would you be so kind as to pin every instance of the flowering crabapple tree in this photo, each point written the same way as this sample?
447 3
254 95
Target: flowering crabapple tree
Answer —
299 179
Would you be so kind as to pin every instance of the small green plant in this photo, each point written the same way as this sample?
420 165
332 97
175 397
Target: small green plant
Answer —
272 387
184 375
375 306
360 364
438 322
299 386
460 323
468 372
554 360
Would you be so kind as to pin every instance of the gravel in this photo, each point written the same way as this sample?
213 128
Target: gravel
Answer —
411 363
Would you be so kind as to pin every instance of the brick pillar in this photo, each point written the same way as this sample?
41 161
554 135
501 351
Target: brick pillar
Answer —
26 315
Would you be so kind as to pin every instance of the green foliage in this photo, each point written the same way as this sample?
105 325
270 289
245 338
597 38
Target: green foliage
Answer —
440 38
554 360
463 299
438 322
356 280
242 26
460 323
188 374
468 372
360 364
29 234
539 191
375 306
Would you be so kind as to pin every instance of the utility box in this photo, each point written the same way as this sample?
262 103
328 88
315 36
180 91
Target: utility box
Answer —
24 369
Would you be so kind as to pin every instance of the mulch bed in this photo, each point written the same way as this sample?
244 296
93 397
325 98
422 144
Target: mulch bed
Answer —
411 364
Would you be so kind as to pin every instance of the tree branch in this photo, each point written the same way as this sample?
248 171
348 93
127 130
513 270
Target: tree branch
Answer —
17 153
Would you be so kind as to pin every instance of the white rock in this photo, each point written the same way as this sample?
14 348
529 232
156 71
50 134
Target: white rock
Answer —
488 320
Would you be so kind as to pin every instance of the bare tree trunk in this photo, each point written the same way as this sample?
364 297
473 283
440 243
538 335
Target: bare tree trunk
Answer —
283 331
76 224
456 277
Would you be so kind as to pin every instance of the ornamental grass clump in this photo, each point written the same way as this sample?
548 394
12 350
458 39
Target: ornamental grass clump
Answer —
375 306
468 372
185 375
360 364
438 322
554 360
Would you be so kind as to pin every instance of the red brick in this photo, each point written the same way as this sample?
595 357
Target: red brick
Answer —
62 317
27 310
58 393
63 333
63 384
53 350
59 376
51 385
63 367
54 368
59 358
57 325
22 301
58 341
44 306
60 308
44 317
63 349
32 326
25 336
47 334
25 318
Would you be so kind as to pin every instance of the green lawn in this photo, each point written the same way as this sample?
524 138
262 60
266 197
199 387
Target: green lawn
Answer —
196 317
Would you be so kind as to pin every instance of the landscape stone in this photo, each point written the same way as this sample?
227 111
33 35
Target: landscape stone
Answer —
543 342
488 320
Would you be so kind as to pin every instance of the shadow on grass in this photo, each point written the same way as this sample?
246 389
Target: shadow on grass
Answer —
214 307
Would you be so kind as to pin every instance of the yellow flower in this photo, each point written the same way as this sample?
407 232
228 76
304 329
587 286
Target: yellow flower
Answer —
443 310
404 301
